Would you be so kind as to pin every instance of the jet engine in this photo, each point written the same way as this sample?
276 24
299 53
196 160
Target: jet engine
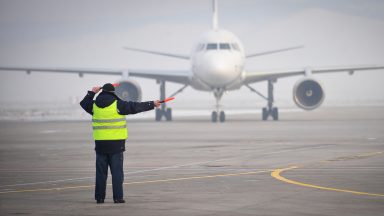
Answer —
129 90
308 94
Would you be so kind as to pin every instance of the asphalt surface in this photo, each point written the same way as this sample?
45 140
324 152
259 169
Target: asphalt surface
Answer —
326 162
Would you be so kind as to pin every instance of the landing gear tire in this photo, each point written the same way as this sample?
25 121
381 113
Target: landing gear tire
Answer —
168 114
214 116
158 114
264 114
275 113
222 116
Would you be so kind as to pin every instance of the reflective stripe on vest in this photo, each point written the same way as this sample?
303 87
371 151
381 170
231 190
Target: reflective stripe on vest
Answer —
108 124
108 120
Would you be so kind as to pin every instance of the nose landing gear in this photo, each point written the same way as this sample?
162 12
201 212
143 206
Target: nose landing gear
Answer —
218 114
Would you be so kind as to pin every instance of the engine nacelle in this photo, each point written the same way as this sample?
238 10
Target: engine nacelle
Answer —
129 90
308 94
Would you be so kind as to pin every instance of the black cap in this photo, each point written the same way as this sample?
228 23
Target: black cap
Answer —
108 87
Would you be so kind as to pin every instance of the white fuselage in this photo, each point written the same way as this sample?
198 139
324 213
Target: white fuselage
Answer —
217 61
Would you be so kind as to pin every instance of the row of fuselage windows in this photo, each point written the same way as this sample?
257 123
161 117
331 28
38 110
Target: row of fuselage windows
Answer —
216 46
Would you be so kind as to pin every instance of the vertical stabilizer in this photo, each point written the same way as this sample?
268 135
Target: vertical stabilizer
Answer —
215 16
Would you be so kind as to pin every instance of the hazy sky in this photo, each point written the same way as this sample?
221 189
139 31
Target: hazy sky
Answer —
90 34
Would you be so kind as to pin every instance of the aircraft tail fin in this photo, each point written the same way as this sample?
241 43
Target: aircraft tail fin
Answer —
215 15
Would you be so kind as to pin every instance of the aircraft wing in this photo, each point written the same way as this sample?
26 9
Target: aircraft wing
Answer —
272 51
182 77
79 71
258 76
180 56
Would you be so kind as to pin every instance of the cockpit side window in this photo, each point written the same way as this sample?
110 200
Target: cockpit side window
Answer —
211 46
200 47
224 46
235 46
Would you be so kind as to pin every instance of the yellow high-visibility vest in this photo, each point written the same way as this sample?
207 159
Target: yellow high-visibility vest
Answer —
108 124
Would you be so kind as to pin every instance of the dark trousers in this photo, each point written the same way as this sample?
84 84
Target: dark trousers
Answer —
115 162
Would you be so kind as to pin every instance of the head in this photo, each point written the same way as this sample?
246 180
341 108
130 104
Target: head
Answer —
108 87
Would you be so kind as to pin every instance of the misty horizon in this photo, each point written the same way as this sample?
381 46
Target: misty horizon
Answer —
334 33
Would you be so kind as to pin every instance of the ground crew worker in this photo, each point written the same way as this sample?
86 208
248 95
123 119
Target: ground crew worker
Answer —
110 133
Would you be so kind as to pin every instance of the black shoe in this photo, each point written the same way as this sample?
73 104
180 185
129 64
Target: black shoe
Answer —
99 201
119 201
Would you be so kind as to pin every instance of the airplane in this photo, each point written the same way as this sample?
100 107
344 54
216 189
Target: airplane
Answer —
217 65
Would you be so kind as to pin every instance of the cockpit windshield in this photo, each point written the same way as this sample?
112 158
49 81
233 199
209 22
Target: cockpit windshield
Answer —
224 46
211 46
218 46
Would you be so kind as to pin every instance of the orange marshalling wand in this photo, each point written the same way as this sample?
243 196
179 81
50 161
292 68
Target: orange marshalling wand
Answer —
166 100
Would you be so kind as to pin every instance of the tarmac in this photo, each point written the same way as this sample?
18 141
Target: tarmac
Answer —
326 162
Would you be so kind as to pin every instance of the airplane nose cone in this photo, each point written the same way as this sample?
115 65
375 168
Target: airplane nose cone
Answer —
218 66
218 69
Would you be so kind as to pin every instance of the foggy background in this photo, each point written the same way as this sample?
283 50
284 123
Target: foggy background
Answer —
90 34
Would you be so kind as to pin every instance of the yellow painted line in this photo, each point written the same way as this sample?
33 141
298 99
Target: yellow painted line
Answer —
198 177
276 174
139 182
370 154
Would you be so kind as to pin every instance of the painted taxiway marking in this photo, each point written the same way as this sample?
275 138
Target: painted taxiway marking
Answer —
276 174
140 182
127 173
147 170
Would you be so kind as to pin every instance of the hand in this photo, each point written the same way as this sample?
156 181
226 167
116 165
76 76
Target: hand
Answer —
96 89
157 103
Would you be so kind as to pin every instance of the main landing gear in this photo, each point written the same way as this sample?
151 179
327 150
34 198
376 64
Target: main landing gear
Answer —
218 114
164 111
269 110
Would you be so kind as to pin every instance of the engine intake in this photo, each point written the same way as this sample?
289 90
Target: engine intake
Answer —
308 94
129 90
